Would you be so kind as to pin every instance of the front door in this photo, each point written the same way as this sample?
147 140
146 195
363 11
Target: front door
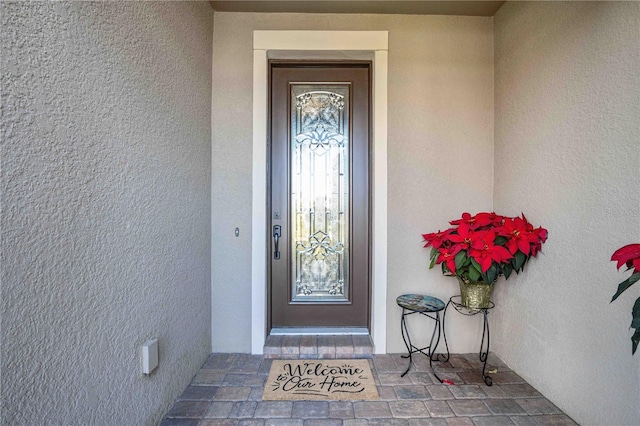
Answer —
319 213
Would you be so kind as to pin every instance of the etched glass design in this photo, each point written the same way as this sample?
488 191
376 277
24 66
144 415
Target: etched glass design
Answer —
320 192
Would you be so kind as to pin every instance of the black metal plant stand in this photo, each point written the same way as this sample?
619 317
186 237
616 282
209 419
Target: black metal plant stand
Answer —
429 307
484 353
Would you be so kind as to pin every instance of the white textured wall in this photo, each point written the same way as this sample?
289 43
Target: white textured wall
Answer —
440 152
567 97
105 207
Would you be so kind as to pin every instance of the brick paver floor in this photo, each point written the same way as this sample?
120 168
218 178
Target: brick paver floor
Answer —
228 391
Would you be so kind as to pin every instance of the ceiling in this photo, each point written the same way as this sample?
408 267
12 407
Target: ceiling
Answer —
416 7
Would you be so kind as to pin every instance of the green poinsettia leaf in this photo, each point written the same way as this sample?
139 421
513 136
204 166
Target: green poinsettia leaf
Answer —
492 274
634 341
519 259
434 253
512 262
474 274
500 240
475 264
507 270
625 285
460 258
635 312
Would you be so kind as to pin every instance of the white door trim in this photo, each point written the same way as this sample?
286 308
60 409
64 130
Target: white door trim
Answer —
313 44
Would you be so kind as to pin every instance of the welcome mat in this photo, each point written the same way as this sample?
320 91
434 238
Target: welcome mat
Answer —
330 379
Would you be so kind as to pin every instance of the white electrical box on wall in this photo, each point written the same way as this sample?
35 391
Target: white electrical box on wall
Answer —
149 356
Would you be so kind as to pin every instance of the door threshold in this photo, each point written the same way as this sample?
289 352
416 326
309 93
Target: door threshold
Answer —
319 331
319 346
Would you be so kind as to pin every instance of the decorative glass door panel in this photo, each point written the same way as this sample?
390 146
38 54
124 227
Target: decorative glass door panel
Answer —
320 192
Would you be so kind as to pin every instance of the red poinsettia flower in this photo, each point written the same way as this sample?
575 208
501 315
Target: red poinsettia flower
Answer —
436 239
479 220
472 221
493 242
496 219
485 219
540 237
485 252
464 237
448 256
466 218
520 235
541 233
628 255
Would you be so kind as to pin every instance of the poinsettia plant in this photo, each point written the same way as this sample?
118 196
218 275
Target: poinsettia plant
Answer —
482 247
630 255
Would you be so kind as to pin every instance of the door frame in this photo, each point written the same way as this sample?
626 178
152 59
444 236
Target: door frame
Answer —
371 45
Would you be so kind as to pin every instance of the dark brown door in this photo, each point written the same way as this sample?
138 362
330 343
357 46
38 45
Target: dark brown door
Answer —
319 195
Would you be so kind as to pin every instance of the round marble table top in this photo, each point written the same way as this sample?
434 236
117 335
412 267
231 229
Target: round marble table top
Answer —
420 303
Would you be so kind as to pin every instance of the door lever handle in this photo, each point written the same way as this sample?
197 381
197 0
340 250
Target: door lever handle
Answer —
276 238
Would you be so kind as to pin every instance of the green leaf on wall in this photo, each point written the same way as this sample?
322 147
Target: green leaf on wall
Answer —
635 312
625 285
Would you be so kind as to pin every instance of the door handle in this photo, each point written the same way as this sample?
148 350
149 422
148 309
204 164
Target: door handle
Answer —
276 238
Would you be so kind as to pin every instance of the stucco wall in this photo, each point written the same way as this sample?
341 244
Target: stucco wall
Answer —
567 98
105 207
440 152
